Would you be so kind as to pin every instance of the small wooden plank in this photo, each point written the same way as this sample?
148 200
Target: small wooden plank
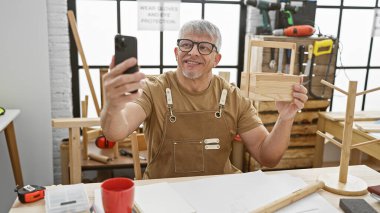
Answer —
305 117
75 156
272 86
293 158
309 105
299 129
75 122
368 126
302 140
358 116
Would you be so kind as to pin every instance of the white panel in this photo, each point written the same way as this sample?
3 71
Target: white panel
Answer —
375 57
189 11
326 21
148 41
85 90
97 28
227 19
355 36
372 100
359 3
342 80
328 2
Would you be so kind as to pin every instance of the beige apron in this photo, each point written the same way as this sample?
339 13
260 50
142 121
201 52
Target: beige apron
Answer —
193 143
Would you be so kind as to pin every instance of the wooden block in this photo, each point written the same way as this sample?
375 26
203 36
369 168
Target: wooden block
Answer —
299 129
304 117
269 106
294 158
356 206
272 86
368 126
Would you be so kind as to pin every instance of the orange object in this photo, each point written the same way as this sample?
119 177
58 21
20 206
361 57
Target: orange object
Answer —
295 31
102 142
30 193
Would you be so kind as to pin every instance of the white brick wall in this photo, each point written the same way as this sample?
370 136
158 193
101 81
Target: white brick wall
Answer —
60 74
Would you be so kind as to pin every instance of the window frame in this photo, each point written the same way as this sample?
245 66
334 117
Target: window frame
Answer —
75 67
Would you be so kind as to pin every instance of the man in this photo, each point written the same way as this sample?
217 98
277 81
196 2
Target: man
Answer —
191 116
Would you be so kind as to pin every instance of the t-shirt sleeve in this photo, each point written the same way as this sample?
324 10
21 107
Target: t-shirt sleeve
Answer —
145 100
248 118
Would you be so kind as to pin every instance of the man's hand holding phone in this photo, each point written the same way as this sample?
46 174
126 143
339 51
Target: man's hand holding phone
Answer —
121 87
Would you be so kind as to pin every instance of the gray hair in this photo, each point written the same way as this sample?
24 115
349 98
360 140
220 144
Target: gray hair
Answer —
202 27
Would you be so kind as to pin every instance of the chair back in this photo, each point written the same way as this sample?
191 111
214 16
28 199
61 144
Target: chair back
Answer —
138 144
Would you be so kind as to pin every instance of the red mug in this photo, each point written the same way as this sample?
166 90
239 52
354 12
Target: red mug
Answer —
118 195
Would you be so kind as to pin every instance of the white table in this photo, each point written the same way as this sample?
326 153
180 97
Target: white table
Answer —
6 125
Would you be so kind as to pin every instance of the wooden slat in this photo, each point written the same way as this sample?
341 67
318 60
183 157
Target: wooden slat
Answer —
75 156
75 122
309 117
292 159
299 129
303 140
310 104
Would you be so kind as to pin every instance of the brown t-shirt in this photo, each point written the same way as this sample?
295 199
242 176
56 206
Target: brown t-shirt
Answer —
240 114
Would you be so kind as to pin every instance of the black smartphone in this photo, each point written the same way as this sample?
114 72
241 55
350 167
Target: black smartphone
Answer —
126 47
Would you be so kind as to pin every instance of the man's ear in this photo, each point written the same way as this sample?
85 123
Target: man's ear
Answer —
176 53
218 57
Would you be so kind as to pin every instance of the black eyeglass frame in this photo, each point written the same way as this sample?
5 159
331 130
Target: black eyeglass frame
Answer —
197 43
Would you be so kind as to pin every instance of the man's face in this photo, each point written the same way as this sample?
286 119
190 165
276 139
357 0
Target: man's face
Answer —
192 64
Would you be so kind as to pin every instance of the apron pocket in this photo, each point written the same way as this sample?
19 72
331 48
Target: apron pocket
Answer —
188 156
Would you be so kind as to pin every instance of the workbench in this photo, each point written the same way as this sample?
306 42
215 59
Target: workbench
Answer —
6 125
332 123
370 176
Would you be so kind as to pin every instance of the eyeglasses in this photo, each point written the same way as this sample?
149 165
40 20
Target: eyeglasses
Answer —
204 48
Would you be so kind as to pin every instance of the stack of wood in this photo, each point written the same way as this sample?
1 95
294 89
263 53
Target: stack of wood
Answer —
301 149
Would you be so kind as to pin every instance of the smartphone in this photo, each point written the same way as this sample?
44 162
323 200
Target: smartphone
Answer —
126 47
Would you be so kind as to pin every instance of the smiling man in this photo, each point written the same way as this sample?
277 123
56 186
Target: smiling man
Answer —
191 116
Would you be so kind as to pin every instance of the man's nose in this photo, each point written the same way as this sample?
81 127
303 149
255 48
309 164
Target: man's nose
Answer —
194 50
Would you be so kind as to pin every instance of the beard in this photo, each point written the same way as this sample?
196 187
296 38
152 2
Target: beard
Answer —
191 74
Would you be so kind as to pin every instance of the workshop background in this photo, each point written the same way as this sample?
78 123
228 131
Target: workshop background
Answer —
37 77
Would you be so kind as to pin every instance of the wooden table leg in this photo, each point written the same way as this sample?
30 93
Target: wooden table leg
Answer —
319 143
10 137
75 155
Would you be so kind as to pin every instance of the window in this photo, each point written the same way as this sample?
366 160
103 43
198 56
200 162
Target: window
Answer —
351 22
99 21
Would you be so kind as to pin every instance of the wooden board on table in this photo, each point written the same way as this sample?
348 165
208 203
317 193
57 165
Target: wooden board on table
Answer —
269 106
368 126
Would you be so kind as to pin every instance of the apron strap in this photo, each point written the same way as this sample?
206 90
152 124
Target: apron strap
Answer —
222 102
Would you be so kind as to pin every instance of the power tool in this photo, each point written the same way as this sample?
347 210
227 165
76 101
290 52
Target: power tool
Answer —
265 7
30 193
295 31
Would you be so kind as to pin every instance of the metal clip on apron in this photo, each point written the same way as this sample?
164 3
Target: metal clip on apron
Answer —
169 101
222 102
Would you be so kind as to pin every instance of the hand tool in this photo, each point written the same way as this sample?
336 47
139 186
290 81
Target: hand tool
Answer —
323 47
272 63
295 31
301 56
30 193
328 70
287 59
102 142
265 7
280 59
309 57
320 48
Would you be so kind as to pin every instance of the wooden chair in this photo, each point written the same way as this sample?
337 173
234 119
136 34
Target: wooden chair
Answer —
138 144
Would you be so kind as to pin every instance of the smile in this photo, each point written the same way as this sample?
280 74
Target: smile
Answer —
192 62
